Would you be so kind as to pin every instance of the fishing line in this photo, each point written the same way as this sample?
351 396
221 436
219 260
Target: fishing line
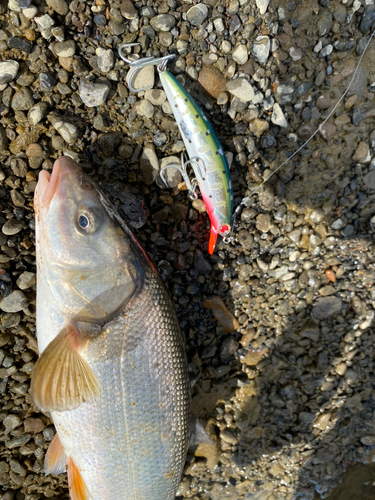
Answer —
247 198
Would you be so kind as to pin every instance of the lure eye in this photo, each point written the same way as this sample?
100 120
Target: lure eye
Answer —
224 230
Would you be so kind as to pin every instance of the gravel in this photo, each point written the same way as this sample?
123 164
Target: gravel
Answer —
287 398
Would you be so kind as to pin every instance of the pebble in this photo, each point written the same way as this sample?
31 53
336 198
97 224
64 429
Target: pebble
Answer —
163 22
26 280
369 180
201 264
11 227
30 12
14 302
8 71
240 54
127 9
59 6
68 131
171 175
93 94
45 24
22 100
144 108
156 97
18 43
330 275
263 223
149 164
212 80
278 117
262 6
37 113
368 19
362 153
327 290
241 88
261 48
228 436
197 14
105 59
65 49
34 425
326 307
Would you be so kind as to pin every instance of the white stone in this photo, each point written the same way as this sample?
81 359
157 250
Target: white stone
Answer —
278 117
240 54
262 6
67 130
8 71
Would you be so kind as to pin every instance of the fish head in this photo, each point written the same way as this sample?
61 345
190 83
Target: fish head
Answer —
84 256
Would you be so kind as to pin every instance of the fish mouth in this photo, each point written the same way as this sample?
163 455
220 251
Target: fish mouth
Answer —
48 183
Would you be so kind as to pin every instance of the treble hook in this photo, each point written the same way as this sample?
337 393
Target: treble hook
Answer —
160 62
191 185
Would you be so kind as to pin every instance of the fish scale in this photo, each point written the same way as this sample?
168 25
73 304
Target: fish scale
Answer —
149 407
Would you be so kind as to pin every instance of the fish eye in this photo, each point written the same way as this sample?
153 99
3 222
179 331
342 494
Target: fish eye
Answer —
88 221
83 221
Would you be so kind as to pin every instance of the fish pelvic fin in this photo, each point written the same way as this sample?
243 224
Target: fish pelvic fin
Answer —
77 487
55 460
62 380
212 242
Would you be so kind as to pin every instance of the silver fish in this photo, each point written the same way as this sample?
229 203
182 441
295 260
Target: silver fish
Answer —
112 369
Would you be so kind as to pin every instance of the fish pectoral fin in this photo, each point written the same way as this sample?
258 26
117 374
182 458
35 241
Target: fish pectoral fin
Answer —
77 487
212 242
62 380
55 460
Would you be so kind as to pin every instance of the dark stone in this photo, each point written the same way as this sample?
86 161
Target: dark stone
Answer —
18 43
47 82
368 19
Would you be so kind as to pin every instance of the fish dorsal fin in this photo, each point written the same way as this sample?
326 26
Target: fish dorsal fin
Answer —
55 460
62 380
77 487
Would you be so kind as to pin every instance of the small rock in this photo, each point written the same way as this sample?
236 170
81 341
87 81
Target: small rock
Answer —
26 280
12 227
327 290
144 108
127 9
326 307
22 100
225 318
37 113
241 88
68 131
8 71
45 24
262 6
261 48
212 80
59 6
254 357
341 368
246 239
240 54
259 126
93 94
369 179
65 49
149 164
201 264
278 117
14 302
105 59
327 130
163 22
263 223
171 175
368 19
330 275
228 436
34 425
362 153
30 12
155 96
197 14
18 43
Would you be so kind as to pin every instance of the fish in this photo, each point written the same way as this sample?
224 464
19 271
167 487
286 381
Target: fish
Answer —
206 155
112 368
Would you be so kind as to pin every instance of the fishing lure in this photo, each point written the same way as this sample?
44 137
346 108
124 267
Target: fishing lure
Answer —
206 155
